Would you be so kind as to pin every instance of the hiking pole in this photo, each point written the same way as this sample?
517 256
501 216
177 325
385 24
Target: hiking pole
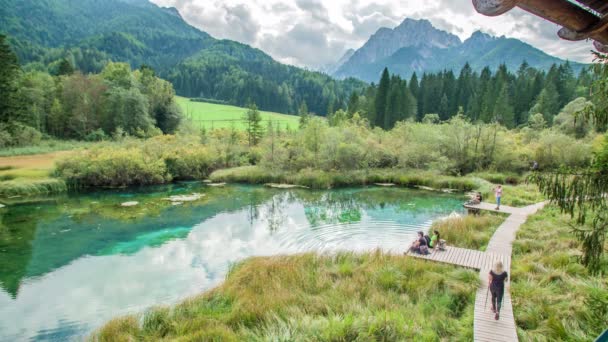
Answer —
486 303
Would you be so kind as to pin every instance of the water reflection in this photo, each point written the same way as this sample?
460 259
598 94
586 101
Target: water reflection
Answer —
69 265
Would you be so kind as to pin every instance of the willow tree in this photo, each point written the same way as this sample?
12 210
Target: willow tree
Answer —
583 193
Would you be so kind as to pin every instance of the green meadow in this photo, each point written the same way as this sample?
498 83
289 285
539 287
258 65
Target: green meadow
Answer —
211 115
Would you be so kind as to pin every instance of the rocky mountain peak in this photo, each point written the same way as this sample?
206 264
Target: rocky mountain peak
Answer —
410 33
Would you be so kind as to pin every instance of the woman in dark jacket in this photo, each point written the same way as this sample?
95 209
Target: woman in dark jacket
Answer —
497 280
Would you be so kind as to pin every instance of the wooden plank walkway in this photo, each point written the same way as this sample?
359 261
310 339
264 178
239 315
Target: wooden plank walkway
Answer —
485 327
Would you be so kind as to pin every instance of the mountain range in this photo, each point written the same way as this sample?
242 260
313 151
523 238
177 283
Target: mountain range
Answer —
417 46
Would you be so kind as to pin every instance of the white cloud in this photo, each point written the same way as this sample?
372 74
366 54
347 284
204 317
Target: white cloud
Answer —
313 33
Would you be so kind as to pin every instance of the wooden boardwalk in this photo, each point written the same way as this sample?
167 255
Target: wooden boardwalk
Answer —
486 328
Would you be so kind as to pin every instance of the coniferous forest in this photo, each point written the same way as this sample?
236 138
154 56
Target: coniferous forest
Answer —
505 97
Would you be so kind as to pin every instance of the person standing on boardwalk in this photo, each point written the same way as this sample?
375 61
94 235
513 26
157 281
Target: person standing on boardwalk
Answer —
497 280
498 195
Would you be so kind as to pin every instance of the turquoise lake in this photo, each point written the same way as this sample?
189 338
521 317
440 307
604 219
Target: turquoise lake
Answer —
69 264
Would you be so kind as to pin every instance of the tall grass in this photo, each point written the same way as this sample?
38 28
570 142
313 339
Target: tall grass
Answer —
519 195
498 177
473 232
554 298
330 179
343 297
26 188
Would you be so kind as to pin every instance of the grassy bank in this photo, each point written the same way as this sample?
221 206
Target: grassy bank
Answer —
28 188
45 146
554 298
473 232
30 175
330 179
346 297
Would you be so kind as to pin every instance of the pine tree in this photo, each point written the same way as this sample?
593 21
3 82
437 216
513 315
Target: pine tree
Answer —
547 103
464 87
9 72
304 115
414 86
254 126
381 101
353 104
503 111
65 68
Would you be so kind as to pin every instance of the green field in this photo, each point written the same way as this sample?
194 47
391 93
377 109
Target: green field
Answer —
210 115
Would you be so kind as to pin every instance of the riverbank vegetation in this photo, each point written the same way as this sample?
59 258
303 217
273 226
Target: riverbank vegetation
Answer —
343 297
348 153
554 296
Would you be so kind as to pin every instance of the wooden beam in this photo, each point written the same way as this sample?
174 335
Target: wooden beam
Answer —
569 34
494 8
578 23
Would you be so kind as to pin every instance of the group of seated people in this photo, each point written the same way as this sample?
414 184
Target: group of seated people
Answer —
476 198
422 244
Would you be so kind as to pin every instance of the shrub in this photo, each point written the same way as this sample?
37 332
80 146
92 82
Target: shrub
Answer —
96 135
113 167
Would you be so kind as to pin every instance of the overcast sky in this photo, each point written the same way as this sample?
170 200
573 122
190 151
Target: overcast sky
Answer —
313 33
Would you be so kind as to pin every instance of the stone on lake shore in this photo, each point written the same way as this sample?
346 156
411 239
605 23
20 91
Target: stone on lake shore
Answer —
285 186
185 198
129 204
422 187
216 185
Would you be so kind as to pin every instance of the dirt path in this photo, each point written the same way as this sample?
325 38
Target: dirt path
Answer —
44 161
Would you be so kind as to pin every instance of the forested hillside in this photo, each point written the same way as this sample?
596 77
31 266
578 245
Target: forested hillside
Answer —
88 34
116 102
511 99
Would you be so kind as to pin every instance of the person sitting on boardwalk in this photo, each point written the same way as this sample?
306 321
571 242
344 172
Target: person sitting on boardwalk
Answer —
498 195
475 198
420 245
497 280
434 239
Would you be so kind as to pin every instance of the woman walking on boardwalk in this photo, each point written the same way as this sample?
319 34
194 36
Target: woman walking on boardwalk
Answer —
498 195
497 280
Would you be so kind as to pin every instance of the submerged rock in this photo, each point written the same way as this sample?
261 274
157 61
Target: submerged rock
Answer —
129 204
285 186
185 198
422 187
385 184
2 206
